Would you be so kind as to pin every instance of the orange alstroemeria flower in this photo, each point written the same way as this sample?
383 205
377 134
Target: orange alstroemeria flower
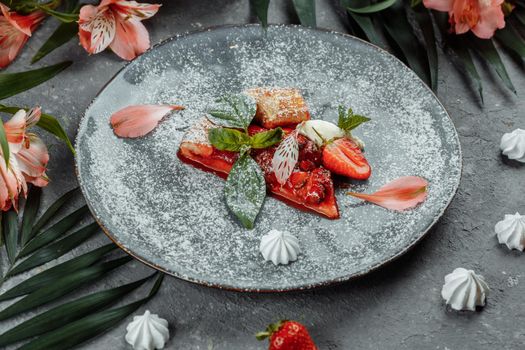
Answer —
482 17
15 29
116 24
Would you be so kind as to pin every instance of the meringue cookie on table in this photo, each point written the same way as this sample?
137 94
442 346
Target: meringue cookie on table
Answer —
464 290
511 231
513 145
279 247
147 332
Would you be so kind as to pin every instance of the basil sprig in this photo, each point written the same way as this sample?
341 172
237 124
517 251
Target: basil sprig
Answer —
245 187
348 120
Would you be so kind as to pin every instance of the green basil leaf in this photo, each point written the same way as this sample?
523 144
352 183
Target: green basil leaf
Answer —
55 250
54 273
68 312
245 190
15 83
348 120
228 139
47 122
260 8
90 326
10 232
267 138
305 10
61 287
30 211
377 7
234 111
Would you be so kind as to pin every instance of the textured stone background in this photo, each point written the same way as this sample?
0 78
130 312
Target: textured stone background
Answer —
398 307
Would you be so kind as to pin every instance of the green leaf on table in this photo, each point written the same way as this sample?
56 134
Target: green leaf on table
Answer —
376 7
10 232
53 209
487 50
55 249
68 312
62 286
511 40
245 190
30 212
47 122
261 10
398 27
364 22
468 66
54 273
226 139
15 83
266 139
424 20
305 10
54 231
348 120
234 111
61 16
4 145
90 326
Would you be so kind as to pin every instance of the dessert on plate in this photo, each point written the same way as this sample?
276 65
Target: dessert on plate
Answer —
311 150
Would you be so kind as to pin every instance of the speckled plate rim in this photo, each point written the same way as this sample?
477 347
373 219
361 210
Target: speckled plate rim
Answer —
323 284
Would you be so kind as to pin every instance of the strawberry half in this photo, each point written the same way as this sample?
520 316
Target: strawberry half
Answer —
287 335
344 157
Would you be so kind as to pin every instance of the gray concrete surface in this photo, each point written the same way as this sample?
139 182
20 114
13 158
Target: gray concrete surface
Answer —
397 307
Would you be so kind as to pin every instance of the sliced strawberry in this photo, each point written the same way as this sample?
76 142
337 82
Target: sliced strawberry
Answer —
345 158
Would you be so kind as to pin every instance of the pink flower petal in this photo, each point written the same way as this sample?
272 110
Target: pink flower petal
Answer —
24 23
32 161
491 19
439 5
101 28
403 193
15 130
135 10
138 120
131 39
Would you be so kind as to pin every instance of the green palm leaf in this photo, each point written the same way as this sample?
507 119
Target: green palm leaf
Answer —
424 20
53 209
510 39
55 249
487 50
10 232
88 327
305 10
376 7
66 313
54 231
15 83
30 212
260 7
4 144
61 287
54 273
364 22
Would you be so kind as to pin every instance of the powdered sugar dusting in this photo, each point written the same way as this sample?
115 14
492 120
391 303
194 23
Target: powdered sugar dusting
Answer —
174 215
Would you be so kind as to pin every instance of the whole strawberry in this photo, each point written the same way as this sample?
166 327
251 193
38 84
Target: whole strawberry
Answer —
287 335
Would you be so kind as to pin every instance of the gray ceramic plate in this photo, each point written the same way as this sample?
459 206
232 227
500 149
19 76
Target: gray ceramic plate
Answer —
172 216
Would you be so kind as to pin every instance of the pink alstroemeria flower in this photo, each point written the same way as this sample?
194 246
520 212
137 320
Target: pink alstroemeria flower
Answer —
483 17
15 30
28 159
117 24
138 120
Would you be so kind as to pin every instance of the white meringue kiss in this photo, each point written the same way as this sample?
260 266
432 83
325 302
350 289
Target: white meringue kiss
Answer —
279 247
464 290
147 332
513 145
511 231
320 131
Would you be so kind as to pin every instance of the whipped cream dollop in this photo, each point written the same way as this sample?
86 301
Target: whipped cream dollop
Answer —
513 145
279 247
320 131
147 332
464 290
511 231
